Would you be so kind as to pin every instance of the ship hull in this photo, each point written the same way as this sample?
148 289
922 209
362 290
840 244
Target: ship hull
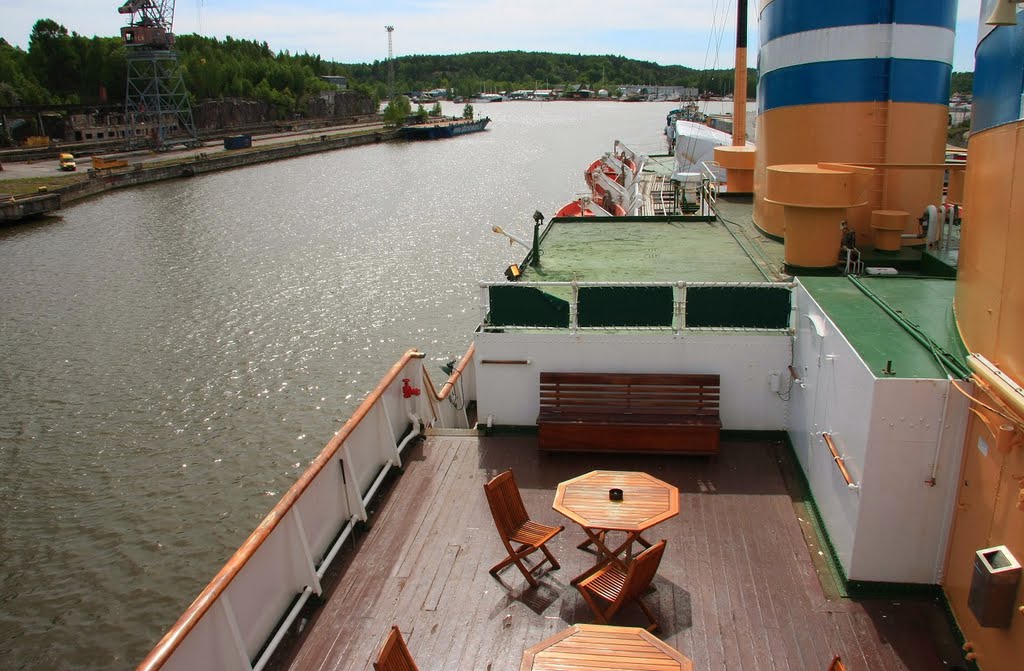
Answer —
445 130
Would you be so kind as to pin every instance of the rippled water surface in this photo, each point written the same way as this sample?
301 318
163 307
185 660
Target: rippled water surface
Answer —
172 357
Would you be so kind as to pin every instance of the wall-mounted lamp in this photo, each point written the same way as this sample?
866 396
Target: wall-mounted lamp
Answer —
1003 14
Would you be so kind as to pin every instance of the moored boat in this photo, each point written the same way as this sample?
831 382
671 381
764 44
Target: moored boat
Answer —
436 130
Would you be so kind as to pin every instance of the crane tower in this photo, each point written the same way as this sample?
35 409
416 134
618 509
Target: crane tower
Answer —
156 105
391 65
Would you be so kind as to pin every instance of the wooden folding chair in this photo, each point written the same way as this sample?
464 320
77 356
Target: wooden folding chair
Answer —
837 664
516 528
394 655
617 587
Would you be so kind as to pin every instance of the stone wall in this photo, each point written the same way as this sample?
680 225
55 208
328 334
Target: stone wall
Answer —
224 114
237 113
341 104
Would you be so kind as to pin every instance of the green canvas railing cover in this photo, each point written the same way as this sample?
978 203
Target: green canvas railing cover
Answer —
513 305
738 307
625 306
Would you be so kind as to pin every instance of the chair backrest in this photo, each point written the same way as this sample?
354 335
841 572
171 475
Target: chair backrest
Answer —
837 664
394 655
506 503
642 571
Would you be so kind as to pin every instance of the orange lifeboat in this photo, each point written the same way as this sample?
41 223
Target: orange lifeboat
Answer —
578 209
597 165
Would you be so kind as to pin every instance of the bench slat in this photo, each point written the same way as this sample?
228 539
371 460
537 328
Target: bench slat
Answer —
629 412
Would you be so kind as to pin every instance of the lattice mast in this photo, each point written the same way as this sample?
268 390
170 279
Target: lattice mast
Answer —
391 65
156 106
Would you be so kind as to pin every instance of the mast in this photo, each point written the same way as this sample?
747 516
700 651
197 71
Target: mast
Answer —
739 93
738 159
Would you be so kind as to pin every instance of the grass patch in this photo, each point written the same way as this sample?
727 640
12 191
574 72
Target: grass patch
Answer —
29 186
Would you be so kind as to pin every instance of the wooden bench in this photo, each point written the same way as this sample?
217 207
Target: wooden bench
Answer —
629 412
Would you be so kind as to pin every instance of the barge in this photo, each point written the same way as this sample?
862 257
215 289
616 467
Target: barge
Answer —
436 130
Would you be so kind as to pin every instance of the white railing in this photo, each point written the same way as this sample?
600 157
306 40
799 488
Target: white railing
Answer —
710 182
236 623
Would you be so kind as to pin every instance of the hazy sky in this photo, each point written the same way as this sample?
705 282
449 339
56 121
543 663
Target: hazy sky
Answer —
695 33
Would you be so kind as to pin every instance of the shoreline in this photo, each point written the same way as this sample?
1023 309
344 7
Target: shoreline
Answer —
108 179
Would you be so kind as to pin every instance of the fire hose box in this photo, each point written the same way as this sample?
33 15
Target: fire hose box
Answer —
994 586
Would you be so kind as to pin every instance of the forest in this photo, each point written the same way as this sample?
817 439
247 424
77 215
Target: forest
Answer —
62 67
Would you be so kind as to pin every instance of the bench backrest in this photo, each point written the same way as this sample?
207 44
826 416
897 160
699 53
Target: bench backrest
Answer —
631 393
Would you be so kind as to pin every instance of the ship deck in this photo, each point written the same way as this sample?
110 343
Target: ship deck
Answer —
882 316
744 583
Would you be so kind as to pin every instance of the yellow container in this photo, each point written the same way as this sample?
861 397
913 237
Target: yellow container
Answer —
814 202
888 226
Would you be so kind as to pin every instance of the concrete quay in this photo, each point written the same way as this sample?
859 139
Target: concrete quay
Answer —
174 165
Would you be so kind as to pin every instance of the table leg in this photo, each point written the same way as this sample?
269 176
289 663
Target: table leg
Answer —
587 543
605 555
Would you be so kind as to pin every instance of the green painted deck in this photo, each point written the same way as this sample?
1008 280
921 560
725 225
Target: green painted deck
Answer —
620 250
732 249
877 337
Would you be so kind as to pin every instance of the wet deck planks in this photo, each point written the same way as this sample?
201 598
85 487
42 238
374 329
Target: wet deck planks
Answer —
736 589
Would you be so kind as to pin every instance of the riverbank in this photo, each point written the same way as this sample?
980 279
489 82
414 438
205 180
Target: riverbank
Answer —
67 189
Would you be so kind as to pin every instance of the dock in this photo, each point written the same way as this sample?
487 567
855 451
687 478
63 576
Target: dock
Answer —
17 208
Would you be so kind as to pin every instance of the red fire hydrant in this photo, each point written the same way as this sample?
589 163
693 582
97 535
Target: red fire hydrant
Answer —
408 391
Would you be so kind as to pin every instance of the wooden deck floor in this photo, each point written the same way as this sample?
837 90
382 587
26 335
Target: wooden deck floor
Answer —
737 588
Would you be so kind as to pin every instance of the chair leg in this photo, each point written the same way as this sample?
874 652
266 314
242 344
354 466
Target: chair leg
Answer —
516 559
650 616
526 573
594 606
551 558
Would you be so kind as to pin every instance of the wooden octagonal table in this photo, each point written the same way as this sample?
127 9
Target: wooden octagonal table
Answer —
596 647
588 500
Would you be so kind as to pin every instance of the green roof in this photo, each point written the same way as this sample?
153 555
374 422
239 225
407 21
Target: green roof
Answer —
922 304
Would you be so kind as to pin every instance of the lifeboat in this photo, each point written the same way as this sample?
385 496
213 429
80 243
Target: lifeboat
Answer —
587 208
599 165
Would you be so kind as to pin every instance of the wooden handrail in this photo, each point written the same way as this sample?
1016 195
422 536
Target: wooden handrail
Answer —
840 464
173 638
447 387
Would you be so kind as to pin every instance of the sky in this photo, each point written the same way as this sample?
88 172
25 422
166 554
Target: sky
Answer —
695 33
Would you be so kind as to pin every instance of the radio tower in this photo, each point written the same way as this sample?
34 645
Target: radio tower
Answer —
156 106
391 65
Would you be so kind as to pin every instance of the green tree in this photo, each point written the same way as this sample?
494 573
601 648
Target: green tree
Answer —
436 109
52 57
397 111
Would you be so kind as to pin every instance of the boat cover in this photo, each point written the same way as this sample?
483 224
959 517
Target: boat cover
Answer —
695 144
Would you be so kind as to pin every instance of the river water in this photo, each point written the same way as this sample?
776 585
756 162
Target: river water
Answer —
173 356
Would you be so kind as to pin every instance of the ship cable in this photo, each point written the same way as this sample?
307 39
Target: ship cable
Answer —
702 81
757 265
947 362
